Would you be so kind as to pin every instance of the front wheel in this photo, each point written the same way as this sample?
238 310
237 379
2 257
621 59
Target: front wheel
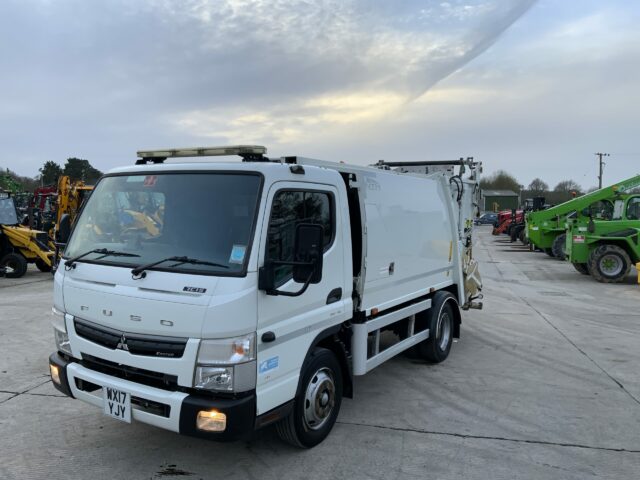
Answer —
317 403
523 237
42 265
609 264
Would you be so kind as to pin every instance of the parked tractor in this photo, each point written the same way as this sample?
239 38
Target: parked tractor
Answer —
20 245
607 248
546 228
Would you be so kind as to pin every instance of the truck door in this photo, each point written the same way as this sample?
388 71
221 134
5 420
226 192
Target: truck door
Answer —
292 323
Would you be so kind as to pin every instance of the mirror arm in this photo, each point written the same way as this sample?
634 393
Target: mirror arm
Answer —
277 292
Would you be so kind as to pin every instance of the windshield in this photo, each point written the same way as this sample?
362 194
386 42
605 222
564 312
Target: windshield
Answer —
204 216
8 214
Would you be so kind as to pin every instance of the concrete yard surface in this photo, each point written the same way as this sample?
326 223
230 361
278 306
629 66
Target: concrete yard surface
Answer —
543 384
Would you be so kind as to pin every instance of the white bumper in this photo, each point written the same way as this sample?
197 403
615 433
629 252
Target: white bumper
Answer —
143 392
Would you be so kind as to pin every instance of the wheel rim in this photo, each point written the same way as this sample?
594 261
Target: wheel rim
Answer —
443 331
11 266
611 265
319 399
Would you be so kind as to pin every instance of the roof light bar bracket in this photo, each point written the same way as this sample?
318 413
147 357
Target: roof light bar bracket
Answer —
249 153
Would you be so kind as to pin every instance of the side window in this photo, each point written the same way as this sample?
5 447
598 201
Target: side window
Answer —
289 209
601 210
633 209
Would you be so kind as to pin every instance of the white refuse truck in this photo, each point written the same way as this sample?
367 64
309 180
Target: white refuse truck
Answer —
213 299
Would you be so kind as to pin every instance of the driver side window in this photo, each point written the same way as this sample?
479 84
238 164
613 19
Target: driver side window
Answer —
289 209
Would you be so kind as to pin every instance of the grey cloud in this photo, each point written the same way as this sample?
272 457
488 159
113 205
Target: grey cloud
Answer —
102 76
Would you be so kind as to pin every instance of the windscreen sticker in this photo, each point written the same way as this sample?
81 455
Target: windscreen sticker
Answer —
268 365
237 254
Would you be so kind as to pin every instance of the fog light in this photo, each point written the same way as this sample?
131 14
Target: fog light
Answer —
55 374
211 421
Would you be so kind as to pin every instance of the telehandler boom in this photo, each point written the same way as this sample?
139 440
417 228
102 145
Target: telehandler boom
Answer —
546 228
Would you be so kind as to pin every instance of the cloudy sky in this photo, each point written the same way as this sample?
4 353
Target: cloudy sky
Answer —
532 87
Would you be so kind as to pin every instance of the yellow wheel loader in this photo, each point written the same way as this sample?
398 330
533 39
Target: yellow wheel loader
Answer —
19 245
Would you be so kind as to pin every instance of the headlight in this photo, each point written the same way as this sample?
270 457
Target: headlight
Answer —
227 364
227 351
60 331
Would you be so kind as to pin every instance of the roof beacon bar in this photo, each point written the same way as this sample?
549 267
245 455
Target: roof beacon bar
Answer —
249 153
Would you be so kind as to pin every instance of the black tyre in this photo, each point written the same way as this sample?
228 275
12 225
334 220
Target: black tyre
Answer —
42 266
581 267
559 247
515 233
548 251
609 264
523 237
317 402
14 264
440 321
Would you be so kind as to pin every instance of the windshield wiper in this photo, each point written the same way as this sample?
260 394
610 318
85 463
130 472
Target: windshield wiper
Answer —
101 251
138 272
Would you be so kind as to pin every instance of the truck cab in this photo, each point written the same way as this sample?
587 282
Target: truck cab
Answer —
212 299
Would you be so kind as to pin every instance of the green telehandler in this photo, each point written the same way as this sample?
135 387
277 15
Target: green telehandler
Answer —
606 249
546 228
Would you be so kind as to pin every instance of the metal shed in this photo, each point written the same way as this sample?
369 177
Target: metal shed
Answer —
496 200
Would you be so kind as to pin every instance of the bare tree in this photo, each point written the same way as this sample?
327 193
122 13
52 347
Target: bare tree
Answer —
538 186
567 186
500 180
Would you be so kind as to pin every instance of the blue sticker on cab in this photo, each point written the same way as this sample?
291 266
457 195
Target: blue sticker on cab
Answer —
237 254
268 365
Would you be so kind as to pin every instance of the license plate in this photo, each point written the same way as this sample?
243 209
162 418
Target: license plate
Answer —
117 404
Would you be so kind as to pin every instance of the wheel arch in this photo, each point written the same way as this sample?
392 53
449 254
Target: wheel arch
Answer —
336 339
449 294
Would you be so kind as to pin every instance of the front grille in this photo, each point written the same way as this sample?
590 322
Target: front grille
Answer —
126 372
147 345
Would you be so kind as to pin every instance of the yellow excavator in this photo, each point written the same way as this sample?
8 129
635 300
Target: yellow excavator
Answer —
71 197
20 245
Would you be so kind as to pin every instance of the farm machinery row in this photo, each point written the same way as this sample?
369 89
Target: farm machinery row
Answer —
598 233
29 224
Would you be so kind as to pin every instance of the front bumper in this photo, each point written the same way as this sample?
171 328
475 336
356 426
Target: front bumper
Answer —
171 410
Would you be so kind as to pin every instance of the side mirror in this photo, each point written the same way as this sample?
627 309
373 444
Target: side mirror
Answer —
308 248
64 229
306 264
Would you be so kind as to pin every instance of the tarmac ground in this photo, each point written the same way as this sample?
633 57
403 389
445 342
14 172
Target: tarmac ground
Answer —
543 384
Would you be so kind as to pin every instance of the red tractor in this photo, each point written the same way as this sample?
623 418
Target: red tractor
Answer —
507 218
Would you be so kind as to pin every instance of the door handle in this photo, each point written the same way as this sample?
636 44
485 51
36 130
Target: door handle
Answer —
334 296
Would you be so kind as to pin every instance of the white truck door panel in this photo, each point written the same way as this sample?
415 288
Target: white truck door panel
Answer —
296 321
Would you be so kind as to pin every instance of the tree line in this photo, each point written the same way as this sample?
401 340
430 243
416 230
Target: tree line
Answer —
502 180
77 169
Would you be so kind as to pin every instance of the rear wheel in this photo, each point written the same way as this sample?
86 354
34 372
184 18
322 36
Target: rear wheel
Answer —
548 251
581 267
515 233
42 266
440 321
317 403
15 265
609 264
559 247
